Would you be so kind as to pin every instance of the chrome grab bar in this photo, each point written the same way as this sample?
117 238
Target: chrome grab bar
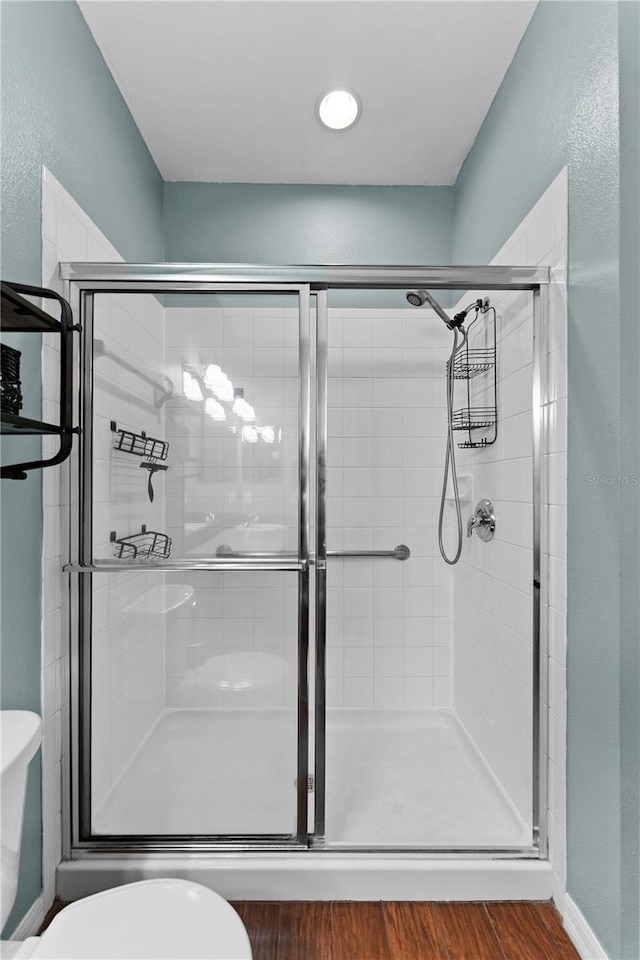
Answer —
401 552
225 557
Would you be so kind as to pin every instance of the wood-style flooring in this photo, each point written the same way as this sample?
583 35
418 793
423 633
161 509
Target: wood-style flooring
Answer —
313 930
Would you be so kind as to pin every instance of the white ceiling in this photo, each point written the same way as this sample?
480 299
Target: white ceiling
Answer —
224 90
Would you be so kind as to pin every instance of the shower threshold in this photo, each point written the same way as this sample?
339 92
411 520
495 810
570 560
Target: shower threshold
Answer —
318 876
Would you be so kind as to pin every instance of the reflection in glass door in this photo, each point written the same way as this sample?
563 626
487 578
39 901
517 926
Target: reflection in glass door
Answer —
196 606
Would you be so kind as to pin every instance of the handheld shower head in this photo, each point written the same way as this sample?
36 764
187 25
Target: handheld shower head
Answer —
418 298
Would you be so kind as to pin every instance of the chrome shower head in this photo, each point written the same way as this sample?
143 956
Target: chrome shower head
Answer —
418 298
415 298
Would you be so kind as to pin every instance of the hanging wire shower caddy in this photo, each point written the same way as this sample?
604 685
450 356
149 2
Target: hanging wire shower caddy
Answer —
468 364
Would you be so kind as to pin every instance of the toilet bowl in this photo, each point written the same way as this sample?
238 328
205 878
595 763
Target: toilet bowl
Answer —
153 919
163 919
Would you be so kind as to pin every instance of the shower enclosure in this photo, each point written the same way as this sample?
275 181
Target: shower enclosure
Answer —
268 652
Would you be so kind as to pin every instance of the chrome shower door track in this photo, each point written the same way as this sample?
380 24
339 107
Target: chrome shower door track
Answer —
84 280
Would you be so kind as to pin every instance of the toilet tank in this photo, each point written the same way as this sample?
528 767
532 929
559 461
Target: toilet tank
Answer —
20 734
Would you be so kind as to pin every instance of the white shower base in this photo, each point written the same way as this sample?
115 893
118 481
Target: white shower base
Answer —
413 778
394 778
318 876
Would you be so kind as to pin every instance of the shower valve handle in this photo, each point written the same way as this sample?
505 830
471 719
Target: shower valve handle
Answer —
482 520
473 522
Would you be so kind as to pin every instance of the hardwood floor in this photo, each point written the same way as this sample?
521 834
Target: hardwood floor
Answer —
315 930
405 931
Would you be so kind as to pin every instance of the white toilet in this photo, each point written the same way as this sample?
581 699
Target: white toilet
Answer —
154 919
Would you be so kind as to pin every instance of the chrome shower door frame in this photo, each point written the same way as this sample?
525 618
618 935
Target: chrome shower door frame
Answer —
533 279
316 280
84 566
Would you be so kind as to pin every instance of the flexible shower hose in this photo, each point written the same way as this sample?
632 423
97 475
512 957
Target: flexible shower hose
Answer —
450 459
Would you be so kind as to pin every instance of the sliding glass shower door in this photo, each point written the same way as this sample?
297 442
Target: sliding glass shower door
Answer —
256 480
194 565
405 757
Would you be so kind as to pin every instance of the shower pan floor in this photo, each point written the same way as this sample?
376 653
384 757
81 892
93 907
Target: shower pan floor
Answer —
394 778
415 778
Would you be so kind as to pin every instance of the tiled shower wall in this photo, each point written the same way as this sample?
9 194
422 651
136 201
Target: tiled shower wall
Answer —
128 666
388 622
493 582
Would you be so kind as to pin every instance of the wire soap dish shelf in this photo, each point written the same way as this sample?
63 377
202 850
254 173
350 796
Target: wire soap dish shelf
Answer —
471 363
474 418
139 444
146 545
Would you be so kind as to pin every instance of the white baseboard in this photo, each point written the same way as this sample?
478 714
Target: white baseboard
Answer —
584 939
31 922
559 893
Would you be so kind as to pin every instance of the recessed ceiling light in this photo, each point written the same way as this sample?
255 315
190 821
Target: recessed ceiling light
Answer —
338 109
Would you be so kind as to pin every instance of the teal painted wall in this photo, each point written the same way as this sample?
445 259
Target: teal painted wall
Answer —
290 223
558 105
60 107
629 45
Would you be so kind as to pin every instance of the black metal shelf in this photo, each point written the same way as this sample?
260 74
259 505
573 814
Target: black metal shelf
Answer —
19 315
11 424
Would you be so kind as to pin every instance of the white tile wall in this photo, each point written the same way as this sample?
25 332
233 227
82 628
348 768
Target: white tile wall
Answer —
388 622
492 584
124 652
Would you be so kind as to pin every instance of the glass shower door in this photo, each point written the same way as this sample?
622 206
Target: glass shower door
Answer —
195 582
412 753
193 571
